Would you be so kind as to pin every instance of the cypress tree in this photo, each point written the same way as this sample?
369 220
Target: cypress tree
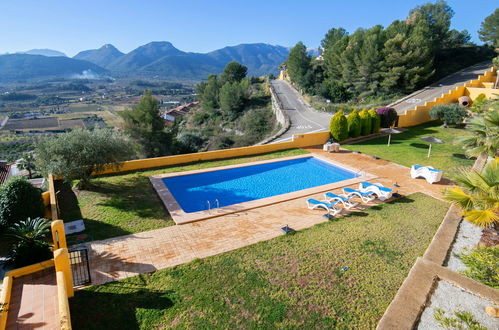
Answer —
375 121
353 120
365 123
339 126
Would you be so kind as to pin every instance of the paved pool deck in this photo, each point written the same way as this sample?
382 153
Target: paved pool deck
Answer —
121 257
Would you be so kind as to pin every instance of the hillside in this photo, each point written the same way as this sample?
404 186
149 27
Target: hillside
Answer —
23 66
102 56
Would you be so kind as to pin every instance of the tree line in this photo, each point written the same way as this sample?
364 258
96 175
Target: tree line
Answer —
398 59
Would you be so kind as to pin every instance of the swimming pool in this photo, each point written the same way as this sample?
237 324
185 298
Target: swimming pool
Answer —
226 187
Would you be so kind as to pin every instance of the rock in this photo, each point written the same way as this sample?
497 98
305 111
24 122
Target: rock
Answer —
492 311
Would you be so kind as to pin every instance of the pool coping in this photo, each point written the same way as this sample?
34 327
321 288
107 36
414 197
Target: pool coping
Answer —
181 217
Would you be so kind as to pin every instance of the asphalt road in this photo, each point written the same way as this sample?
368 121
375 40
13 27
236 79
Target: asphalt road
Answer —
303 118
435 90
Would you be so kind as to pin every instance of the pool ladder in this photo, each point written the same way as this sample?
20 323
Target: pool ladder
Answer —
209 205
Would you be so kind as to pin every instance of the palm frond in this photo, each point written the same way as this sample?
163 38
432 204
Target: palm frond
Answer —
482 218
458 197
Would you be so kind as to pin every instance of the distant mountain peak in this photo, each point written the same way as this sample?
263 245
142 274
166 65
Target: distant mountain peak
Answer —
102 56
43 52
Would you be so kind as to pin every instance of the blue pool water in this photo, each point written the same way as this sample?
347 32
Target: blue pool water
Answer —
243 184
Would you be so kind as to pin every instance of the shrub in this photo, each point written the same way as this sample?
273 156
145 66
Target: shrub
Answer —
462 320
388 116
353 120
339 126
19 200
334 91
483 265
365 123
479 103
30 242
452 113
375 121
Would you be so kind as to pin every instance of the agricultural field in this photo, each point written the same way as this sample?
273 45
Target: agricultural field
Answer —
32 123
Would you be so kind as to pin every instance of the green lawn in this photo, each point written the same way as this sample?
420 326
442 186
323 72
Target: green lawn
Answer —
288 282
407 149
125 204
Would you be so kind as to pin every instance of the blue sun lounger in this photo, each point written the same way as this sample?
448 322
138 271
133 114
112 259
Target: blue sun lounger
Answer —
313 204
345 201
365 197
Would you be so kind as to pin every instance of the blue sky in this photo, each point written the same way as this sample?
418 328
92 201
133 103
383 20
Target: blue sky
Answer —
201 26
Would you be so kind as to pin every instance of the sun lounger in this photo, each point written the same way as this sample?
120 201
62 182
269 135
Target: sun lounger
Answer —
365 197
345 201
428 172
383 193
313 204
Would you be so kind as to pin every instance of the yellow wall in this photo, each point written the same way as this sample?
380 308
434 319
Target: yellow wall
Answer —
420 114
490 93
299 141
46 202
54 210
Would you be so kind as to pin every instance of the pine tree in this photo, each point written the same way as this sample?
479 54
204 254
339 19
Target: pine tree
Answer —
209 100
231 100
233 72
489 29
334 44
408 56
437 18
298 64
145 125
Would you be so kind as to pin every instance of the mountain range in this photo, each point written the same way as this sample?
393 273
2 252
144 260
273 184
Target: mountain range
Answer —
159 59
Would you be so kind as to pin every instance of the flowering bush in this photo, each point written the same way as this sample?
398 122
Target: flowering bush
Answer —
388 116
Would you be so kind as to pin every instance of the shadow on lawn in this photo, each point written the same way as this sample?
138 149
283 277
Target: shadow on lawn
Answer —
69 210
411 134
135 194
92 309
380 248
461 156
420 145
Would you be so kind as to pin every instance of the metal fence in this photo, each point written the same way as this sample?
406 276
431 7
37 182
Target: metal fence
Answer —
80 267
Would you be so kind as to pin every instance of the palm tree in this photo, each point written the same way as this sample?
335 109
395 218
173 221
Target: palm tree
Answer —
484 138
27 163
478 195
30 242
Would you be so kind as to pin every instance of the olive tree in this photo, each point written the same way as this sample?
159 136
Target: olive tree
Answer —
81 153
450 114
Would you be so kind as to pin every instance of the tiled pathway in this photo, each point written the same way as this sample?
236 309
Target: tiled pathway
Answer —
126 256
34 302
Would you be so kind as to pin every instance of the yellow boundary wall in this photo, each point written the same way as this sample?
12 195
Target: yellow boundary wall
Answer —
299 141
421 114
